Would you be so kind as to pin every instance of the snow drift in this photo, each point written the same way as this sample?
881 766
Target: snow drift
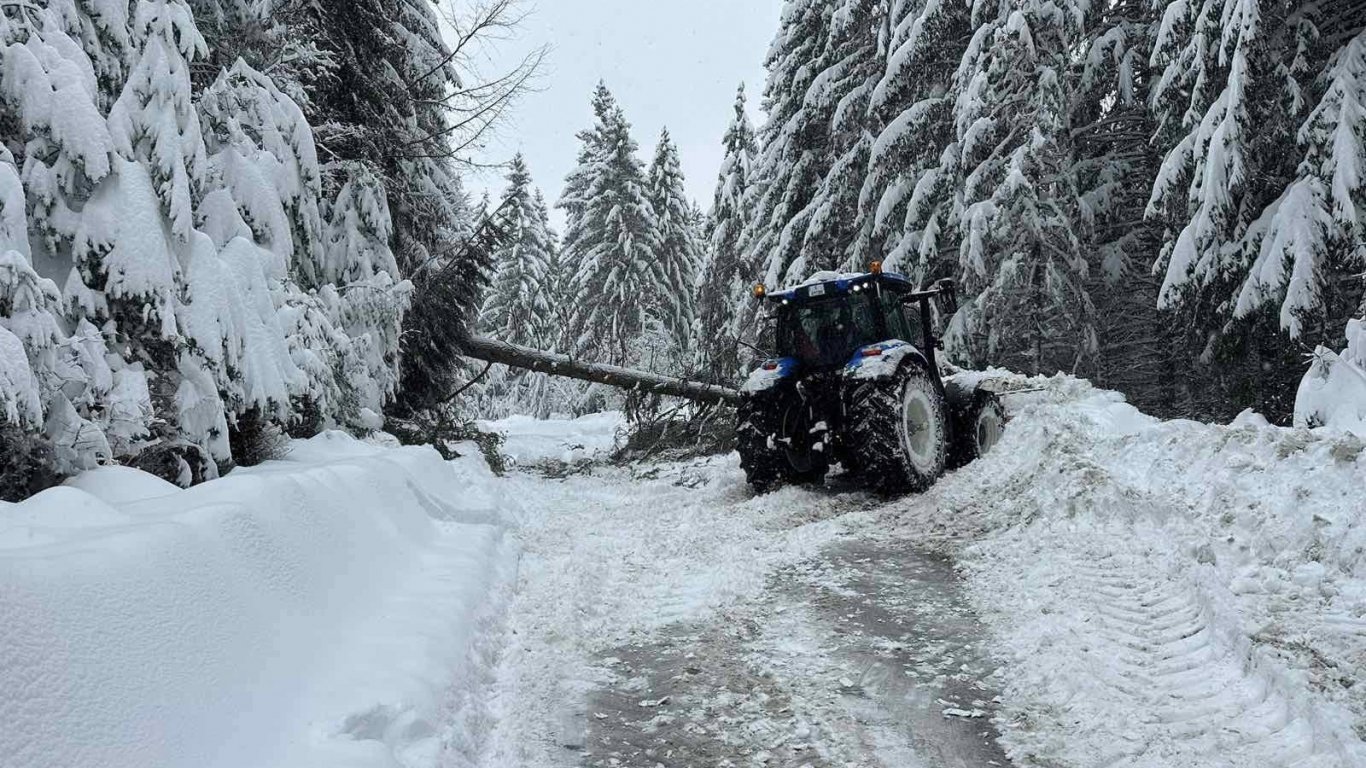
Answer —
331 609
1166 593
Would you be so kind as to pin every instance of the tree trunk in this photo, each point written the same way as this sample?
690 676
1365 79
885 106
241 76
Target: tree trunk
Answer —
493 351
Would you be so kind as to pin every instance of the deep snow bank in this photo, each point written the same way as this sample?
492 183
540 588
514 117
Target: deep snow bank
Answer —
1333 392
1166 593
326 610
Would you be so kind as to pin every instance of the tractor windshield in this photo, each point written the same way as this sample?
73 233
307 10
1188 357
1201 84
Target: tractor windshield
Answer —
826 333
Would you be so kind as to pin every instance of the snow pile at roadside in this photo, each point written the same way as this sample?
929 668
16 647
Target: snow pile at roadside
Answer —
530 441
1166 593
330 610
1333 392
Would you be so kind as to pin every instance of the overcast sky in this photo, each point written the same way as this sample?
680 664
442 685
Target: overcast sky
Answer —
669 62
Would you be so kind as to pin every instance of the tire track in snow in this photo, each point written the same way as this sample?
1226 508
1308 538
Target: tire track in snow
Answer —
1204 695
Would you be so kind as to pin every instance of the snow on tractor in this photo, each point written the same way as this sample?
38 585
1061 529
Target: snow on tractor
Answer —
855 381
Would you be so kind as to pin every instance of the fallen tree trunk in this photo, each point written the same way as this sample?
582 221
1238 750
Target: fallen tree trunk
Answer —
493 351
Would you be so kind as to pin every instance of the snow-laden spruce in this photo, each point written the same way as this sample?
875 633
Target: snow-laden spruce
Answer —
1050 155
726 275
804 88
175 257
522 305
679 256
1020 250
611 239
907 199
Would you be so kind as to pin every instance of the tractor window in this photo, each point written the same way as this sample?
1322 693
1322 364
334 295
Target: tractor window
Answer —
903 322
826 333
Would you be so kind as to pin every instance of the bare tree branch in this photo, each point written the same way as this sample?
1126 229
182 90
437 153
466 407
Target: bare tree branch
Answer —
475 104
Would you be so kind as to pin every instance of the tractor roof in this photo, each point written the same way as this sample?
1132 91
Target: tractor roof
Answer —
827 284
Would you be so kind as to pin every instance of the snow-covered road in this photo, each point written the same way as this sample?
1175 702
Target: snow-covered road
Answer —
1104 589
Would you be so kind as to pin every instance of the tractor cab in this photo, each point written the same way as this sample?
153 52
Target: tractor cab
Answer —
834 320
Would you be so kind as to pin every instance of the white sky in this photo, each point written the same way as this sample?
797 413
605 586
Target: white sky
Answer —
669 62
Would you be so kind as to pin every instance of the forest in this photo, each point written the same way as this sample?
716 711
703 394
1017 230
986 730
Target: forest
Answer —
227 221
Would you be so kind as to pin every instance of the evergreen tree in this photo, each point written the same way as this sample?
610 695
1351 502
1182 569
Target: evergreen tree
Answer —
153 120
908 205
517 309
139 225
678 259
795 156
1020 250
96 407
727 276
839 100
1235 105
1112 128
611 242
556 280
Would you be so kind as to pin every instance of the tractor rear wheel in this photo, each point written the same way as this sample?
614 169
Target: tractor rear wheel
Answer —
898 429
776 443
978 428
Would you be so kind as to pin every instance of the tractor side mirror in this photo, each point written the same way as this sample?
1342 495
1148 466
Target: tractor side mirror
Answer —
948 293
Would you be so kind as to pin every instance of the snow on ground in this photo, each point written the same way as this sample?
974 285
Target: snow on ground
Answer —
618 557
1105 589
333 609
1164 593
530 442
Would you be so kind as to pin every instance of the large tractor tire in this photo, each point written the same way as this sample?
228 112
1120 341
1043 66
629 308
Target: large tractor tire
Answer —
777 446
899 429
978 427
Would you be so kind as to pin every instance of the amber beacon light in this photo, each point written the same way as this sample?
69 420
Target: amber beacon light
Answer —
760 291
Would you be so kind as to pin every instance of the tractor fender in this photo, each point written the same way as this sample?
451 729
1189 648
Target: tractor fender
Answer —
959 394
882 360
769 375
962 391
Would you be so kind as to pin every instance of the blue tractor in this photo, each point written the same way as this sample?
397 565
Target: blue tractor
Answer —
855 381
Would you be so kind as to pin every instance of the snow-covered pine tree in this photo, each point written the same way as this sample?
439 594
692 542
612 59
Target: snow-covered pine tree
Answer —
838 100
1311 243
28 325
727 277
908 204
593 141
153 120
138 225
517 308
1240 82
794 157
49 95
1020 251
1314 246
611 241
378 88
519 305
677 261
262 153
555 279
1112 129
363 294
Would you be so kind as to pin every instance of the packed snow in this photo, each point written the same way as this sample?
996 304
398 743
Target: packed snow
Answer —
329 609
1164 593
529 441
1105 588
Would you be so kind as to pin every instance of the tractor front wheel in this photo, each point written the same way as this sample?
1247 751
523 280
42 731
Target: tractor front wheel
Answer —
978 428
899 431
777 445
